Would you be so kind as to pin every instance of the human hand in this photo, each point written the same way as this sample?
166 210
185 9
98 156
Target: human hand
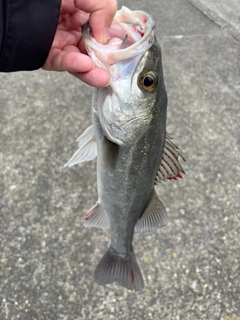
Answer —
68 52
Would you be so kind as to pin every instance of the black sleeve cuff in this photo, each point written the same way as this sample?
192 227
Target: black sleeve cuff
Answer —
27 35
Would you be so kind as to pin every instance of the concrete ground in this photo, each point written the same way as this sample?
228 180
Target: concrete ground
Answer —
192 266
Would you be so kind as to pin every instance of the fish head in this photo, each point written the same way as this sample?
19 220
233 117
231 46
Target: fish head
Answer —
126 106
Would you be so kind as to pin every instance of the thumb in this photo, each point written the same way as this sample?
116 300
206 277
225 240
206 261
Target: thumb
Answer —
101 16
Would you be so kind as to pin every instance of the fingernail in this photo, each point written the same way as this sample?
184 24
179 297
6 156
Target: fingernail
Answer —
107 84
104 36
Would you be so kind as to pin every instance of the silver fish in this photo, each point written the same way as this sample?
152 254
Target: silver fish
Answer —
129 138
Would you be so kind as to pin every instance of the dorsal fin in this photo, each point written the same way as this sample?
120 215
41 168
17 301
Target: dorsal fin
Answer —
87 148
170 167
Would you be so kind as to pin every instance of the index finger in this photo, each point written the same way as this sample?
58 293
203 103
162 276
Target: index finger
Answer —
101 16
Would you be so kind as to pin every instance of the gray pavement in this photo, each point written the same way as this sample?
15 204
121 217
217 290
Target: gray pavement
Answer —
225 13
192 266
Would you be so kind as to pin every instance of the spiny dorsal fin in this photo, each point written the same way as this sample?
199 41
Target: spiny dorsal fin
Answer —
96 217
170 167
154 217
87 148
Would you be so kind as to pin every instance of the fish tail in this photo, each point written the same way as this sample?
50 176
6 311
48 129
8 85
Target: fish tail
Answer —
116 268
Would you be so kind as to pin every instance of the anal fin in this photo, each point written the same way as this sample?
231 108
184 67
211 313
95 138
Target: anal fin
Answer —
96 217
154 217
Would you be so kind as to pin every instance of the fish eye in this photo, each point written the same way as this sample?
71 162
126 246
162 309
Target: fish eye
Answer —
148 81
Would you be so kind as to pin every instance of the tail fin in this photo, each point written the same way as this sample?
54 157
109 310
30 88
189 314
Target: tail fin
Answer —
116 268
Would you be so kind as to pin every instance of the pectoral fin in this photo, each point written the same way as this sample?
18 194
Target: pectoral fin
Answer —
87 148
170 167
154 217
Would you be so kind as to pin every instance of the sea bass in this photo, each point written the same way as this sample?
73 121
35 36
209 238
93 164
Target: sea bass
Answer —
129 138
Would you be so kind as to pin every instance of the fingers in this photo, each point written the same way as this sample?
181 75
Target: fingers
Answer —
97 77
70 60
78 64
101 19
101 16
67 52
72 21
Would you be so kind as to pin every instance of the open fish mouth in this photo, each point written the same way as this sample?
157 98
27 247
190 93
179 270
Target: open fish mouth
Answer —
130 34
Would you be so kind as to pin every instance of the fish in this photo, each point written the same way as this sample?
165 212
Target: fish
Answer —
128 137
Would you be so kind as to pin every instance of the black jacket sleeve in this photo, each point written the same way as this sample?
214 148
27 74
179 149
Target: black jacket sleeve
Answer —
27 29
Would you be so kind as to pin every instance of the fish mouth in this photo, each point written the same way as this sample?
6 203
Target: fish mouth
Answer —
130 34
